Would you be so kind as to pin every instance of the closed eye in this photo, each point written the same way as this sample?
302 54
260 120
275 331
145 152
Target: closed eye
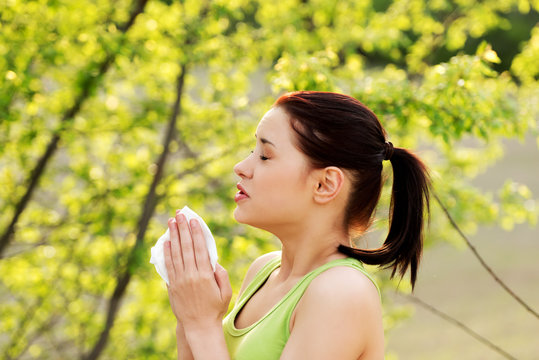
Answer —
262 157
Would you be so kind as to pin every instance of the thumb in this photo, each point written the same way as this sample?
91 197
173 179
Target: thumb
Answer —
221 276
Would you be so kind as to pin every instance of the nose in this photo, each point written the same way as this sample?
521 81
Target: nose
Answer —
242 169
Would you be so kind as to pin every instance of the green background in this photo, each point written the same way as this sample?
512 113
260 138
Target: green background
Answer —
115 113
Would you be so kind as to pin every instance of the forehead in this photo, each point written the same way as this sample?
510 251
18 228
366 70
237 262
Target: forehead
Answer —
275 126
274 123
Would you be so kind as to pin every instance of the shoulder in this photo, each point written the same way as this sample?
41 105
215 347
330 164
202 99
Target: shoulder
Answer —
256 266
342 291
342 306
350 285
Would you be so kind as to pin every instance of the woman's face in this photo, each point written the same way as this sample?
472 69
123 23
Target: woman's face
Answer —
276 185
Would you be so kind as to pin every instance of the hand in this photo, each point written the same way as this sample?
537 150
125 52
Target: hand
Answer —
198 296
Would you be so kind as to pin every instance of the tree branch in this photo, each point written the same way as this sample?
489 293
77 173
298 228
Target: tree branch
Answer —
147 212
483 263
457 323
45 326
17 335
90 82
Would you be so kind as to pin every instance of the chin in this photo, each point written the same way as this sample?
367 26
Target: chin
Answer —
239 216
246 218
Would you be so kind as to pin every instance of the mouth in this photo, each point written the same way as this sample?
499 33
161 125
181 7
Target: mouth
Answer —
241 194
241 190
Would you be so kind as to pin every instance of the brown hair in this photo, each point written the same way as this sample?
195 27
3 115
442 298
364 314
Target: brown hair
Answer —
337 130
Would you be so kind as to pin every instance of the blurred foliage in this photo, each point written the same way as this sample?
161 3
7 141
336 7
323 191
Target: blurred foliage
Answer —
450 78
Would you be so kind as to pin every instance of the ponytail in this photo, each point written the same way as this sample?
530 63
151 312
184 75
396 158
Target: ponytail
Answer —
409 201
337 130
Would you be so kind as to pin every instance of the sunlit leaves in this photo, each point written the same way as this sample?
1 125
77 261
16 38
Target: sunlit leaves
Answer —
518 205
75 237
525 65
305 72
465 96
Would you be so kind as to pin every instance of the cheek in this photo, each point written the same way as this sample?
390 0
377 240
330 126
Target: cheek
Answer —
278 201
289 187
279 179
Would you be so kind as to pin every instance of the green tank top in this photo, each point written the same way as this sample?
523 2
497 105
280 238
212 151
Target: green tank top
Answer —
266 338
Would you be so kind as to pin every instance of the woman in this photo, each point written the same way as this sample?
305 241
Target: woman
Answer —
313 181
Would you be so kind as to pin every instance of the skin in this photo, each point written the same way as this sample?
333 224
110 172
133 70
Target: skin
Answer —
339 315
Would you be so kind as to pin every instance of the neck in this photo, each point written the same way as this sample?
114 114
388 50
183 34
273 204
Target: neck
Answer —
307 247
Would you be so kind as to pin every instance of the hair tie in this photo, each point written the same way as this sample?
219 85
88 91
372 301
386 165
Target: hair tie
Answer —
388 146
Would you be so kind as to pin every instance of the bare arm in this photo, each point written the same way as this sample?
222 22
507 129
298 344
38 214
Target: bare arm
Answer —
184 350
338 317
207 342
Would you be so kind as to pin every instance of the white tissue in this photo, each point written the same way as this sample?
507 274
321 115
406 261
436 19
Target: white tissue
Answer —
158 254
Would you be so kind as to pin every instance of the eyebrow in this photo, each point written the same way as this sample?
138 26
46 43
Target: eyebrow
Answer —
265 141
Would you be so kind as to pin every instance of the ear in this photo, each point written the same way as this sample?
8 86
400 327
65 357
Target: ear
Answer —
330 183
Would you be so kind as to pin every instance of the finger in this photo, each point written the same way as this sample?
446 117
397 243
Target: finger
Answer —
202 257
169 264
221 276
186 243
169 291
175 248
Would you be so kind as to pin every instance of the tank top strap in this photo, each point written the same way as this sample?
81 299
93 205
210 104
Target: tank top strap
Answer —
298 290
260 277
304 283
266 338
